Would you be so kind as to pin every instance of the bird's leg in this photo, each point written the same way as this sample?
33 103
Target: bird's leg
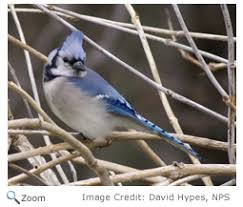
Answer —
83 138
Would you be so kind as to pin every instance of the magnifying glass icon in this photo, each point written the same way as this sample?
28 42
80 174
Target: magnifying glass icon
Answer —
11 195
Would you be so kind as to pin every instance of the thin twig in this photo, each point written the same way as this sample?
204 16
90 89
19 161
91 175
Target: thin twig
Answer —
26 54
38 151
121 169
231 83
32 102
150 152
15 79
16 167
27 47
184 54
205 67
217 66
230 183
112 173
187 179
157 30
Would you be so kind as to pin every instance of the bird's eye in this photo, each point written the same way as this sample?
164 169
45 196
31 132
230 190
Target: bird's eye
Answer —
65 59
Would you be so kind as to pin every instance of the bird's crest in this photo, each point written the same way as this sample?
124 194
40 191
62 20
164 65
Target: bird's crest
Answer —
73 46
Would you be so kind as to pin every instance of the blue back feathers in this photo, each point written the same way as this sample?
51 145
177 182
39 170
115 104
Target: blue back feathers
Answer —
95 86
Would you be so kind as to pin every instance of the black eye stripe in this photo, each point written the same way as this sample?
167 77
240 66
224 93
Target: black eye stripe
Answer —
54 59
72 61
53 62
65 59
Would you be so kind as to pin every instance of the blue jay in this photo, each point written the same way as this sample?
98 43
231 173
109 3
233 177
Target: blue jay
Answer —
86 102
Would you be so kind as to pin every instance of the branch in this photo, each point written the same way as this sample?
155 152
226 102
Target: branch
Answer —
150 152
32 102
26 54
120 169
186 179
171 171
231 182
231 83
29 174
56 147
204 142
16 80
27 47
184 54
201 60
179 33
65 136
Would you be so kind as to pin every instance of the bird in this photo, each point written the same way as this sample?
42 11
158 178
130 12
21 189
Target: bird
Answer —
86 102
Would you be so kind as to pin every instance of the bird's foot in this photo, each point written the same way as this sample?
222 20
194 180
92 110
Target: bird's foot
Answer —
178 164
103 142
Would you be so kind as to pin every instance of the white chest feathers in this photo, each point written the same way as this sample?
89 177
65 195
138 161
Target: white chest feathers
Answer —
80 112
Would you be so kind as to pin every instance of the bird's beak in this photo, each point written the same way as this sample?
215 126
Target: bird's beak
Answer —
79 66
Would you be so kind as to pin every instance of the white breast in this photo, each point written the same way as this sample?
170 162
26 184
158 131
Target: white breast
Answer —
80 112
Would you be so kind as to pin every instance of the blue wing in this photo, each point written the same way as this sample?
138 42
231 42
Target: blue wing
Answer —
122 108
95 85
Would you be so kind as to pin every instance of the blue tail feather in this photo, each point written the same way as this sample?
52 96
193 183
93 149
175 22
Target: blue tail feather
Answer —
119 106
168 137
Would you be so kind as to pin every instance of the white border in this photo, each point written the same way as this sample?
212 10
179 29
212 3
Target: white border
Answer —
3 99
71 195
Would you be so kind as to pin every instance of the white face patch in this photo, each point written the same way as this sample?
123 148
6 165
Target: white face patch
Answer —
51 56
65 69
